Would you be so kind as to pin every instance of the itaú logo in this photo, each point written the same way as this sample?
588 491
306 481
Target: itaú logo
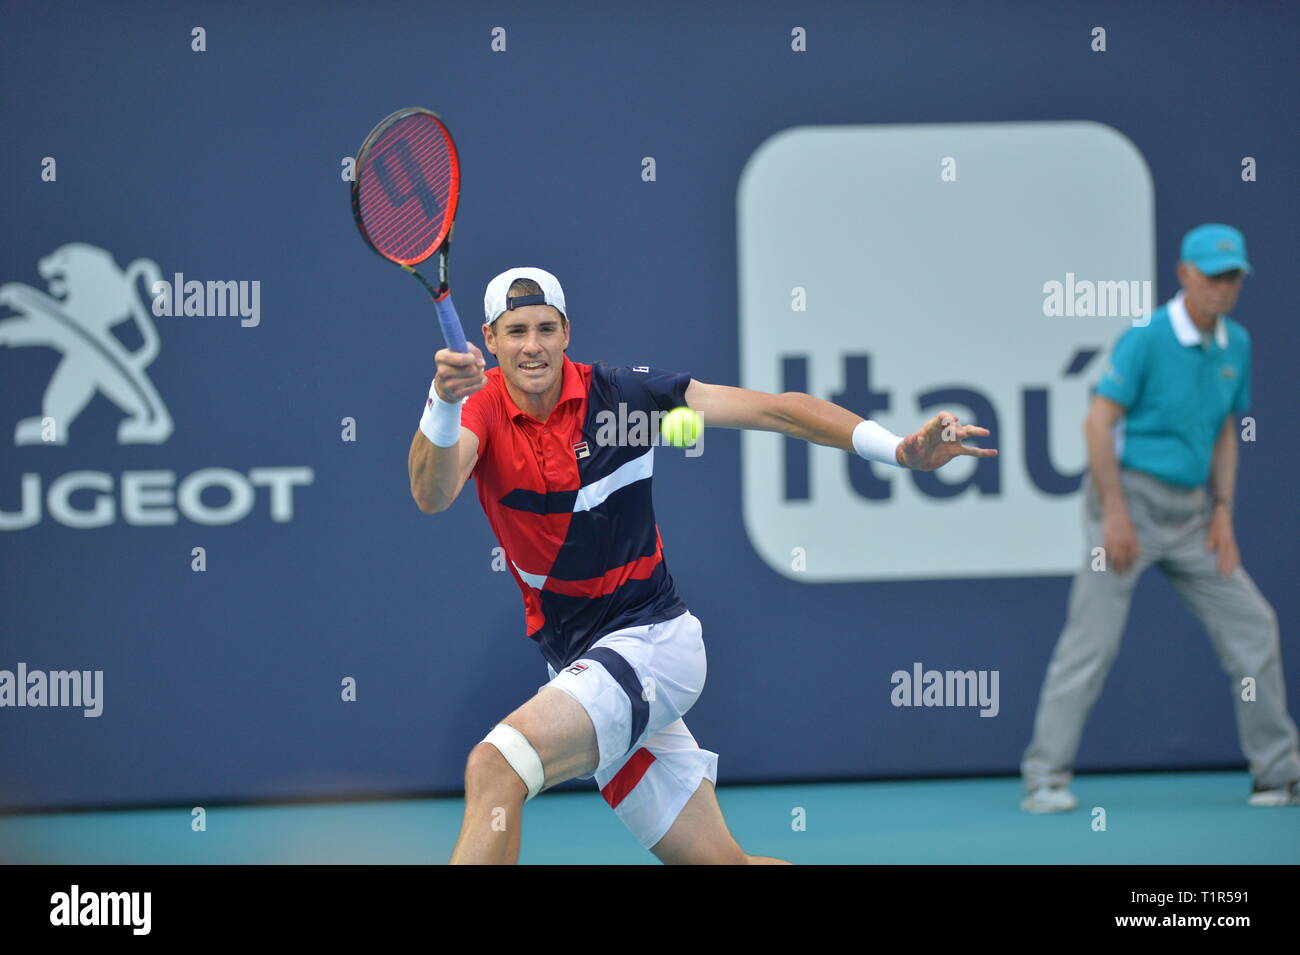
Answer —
88 499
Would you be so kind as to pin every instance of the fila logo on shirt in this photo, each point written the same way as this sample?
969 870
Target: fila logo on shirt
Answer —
581 450
576 668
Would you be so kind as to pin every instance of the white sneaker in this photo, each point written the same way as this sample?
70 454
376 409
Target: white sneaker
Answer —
1285 796
1049 799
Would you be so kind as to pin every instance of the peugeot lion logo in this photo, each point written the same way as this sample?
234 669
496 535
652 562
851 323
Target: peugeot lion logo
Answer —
88 295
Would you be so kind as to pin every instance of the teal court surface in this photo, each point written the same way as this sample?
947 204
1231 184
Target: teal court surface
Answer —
1154 818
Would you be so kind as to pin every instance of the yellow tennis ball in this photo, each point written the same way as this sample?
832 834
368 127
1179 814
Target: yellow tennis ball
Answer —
682 427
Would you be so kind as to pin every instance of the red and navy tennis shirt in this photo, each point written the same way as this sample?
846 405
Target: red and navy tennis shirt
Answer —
575 517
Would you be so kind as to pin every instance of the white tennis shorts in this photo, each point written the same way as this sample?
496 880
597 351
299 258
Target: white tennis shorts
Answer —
636 684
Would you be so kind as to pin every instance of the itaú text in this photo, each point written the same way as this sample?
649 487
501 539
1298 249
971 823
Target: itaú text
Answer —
87 499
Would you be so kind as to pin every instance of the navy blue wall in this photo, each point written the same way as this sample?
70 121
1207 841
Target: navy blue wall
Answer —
226 165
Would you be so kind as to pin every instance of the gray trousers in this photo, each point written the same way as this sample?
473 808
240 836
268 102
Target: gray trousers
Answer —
1171 524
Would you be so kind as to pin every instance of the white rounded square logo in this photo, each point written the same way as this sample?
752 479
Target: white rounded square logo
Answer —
982 269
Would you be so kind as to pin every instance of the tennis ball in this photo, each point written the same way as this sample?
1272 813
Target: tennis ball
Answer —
682 427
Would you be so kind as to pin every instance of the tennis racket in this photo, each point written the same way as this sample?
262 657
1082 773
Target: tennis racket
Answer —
404 197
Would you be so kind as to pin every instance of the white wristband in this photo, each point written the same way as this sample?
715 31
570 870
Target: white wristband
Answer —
441 421
874 443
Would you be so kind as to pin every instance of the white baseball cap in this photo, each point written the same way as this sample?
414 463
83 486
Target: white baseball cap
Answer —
494 301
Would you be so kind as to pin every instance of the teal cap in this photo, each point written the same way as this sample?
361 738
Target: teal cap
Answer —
1215 248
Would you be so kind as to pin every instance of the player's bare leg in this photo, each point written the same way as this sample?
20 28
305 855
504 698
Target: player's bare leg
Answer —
562 733
699 836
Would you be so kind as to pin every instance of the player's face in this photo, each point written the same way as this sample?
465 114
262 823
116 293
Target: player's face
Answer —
1215 294
529 343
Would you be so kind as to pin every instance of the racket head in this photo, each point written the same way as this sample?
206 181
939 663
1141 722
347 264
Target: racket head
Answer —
406 186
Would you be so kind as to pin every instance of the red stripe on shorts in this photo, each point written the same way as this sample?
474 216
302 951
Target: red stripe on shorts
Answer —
625 779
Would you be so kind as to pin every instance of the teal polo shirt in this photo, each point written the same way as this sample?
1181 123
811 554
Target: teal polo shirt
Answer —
1176 386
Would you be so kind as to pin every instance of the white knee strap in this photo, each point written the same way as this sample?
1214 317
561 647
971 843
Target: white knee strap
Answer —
521 756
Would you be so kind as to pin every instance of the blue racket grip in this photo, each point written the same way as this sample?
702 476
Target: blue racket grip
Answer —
452 333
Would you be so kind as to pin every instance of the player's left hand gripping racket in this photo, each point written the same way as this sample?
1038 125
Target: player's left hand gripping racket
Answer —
404 195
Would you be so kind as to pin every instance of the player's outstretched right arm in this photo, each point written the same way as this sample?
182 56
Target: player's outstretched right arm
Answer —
438 473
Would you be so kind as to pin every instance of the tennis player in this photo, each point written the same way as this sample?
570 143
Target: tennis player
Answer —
575 520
